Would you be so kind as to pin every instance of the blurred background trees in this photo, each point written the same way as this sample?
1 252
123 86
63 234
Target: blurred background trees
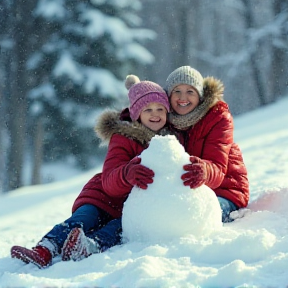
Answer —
63 62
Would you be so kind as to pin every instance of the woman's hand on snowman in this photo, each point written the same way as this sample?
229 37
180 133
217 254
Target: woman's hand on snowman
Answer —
196 174
137 174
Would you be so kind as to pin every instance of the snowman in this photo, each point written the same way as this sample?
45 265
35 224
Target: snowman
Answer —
167 209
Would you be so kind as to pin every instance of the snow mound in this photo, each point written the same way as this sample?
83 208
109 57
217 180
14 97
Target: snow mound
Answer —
168 209
275 200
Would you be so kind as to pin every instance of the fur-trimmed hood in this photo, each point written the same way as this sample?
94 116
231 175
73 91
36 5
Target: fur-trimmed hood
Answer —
109 123
213 90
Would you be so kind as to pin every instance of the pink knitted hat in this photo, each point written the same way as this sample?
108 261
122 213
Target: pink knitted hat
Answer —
141 93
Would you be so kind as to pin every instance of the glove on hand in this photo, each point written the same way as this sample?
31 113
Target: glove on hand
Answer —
197 173
137 174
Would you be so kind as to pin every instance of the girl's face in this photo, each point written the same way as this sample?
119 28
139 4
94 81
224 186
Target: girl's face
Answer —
154 116
184 98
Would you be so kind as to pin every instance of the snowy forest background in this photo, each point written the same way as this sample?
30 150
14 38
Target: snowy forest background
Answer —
62 62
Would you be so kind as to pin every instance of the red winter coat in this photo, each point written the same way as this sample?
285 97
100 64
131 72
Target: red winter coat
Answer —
209 136
109 190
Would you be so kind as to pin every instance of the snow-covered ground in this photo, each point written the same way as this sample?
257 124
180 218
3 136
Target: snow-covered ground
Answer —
250 252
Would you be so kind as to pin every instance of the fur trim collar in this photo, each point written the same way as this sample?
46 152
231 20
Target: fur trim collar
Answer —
109 123
212 93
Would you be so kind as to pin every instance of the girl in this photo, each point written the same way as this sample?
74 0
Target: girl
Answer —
96 212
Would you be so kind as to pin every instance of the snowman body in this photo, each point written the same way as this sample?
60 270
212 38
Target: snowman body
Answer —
168 209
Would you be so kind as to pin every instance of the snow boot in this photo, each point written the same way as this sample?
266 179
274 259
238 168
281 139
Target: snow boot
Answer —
39 255
78 246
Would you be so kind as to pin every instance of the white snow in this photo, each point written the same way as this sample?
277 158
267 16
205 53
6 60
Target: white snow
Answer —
90 78
50 9
252 251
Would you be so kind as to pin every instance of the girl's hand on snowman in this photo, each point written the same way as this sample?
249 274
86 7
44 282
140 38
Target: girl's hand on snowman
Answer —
137 174
196 174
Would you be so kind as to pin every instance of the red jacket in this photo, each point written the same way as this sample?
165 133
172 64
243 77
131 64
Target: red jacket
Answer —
109 190
209 136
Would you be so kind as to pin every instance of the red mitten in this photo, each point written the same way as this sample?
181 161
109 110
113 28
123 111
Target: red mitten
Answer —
137 174
196 174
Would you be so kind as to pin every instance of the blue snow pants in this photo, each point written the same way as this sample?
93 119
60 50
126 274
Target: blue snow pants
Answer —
96 224
227 207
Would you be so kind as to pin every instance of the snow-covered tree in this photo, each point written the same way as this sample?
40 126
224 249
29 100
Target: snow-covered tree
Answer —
79 55
243 43
91 47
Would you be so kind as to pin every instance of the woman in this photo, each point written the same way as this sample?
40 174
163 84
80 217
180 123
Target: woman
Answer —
204 126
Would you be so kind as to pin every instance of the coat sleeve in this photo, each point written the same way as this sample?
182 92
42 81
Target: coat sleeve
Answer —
120 151
216 147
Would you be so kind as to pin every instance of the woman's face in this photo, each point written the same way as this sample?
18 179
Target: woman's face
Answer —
184 98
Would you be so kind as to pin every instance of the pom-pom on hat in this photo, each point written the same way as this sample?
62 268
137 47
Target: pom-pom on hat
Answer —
141 93
185 75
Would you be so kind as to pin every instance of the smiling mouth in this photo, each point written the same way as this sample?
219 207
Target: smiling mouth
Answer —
184 104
